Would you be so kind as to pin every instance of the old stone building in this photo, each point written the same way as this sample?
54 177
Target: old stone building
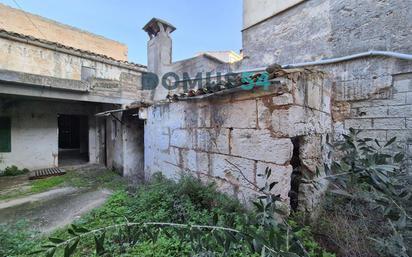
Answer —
342 64
51 89
361 50
371 92
366 52
231 136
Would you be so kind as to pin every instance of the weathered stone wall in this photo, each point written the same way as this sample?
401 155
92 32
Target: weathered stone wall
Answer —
192 67
22 22
125 145
370 93
38 64
377 98
318 29
201 63
250 129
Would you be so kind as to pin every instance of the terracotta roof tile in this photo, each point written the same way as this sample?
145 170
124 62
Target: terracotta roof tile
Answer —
273 72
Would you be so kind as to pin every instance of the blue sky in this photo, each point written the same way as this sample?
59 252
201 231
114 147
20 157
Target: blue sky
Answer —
201 25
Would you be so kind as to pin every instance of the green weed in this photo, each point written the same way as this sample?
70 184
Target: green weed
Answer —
16 240
13 171
42 185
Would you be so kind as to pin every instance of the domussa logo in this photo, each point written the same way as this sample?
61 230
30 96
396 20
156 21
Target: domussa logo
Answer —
171 80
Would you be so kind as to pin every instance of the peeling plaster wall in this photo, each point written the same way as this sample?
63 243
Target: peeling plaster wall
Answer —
34 131
114 143
133 148
251 129
109 79
24 57
125 145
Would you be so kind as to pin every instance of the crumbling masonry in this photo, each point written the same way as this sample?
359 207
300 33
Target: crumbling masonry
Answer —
330 80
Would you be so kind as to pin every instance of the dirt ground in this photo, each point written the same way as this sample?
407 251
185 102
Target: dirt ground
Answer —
83 189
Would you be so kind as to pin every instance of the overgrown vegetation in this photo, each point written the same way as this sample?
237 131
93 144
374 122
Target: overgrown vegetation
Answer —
13 171
368 211
16 240
185 218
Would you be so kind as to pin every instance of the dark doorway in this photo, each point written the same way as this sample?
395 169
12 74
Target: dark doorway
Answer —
73 139
296 178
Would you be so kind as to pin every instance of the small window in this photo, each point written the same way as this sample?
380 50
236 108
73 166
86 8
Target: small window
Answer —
88 73
5 135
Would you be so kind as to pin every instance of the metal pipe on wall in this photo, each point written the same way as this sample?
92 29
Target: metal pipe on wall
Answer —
401 56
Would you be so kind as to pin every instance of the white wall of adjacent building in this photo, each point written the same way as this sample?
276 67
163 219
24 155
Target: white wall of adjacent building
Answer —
255 11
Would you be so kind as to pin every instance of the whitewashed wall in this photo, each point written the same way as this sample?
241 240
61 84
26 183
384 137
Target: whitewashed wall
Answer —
34 132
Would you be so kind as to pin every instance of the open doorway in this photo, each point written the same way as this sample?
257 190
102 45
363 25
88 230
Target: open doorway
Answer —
73 139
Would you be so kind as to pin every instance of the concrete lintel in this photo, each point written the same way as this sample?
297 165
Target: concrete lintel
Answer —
43 81
50 93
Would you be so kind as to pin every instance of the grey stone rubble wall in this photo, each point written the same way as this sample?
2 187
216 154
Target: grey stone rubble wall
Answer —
251 129
318 29
373 93
386 111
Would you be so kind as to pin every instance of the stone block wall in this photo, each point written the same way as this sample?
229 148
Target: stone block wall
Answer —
373 93
212 138
383 109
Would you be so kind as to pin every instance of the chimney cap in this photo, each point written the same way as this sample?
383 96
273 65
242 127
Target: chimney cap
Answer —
155 25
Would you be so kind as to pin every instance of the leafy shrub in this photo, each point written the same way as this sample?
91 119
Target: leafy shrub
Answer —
345 227
372 199
206 196
164 246
13 171
16 240
306 236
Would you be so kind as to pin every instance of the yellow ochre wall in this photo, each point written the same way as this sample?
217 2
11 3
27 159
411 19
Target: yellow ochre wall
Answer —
15 20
